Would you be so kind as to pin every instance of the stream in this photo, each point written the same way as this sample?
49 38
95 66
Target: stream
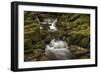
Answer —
58 50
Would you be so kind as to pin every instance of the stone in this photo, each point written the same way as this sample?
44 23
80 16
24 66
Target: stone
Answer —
77 50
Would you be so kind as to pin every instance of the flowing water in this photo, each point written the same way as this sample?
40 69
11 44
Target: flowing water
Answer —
58 50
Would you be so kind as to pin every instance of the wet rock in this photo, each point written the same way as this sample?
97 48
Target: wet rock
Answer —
78 50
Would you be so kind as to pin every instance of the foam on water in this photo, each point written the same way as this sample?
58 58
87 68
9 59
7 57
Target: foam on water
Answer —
58 49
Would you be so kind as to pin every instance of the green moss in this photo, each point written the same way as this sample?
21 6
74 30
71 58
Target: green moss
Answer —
74 26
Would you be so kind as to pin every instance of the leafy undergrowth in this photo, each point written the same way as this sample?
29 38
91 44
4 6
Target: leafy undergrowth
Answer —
74 27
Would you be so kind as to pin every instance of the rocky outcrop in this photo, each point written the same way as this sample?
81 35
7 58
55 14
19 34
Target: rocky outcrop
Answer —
79 52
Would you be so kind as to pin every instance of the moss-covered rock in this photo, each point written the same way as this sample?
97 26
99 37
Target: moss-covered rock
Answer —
73 28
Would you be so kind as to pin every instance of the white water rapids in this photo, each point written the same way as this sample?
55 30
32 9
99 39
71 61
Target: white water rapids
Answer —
58 50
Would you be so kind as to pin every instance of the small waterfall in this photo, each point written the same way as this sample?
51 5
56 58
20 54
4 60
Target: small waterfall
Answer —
58 50
53 25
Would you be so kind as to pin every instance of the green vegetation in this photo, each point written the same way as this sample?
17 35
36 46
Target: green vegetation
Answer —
75 27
